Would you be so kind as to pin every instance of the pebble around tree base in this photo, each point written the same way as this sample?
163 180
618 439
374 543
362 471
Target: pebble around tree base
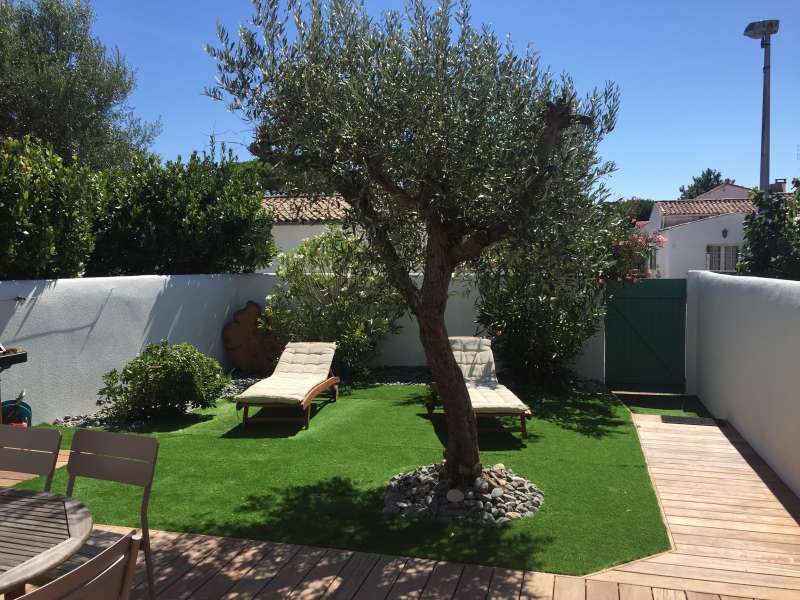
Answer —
497 496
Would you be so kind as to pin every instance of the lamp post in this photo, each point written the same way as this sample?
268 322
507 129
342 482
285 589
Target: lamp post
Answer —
763 30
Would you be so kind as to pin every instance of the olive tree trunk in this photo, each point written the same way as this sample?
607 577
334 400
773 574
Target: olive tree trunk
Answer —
461 454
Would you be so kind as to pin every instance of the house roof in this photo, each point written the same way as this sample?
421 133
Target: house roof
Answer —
745 190
703 208
696 221
306 210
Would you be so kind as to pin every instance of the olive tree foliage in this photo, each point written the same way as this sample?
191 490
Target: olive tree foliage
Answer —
443 139
59 83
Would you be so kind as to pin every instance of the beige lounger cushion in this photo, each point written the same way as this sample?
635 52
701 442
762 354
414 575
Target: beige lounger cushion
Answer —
495 399
474 357
302 366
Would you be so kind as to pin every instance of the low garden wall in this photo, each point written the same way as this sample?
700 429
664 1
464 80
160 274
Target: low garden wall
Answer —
743 344
77 329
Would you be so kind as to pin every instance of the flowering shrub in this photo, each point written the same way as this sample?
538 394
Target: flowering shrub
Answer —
333 289
629 254
540 300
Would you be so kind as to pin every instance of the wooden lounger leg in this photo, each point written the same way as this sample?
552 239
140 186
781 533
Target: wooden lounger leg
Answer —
244 419
523 427
308 415
335 393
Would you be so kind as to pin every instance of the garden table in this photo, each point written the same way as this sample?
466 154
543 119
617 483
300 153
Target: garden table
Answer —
38 531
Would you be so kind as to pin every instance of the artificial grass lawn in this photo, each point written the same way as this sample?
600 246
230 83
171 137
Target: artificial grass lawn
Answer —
324 486
673 405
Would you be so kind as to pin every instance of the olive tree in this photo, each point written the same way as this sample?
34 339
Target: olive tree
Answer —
443 139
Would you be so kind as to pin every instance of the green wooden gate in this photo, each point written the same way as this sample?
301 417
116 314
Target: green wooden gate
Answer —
646 335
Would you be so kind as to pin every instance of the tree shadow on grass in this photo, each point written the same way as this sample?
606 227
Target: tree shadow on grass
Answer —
592 415
644 403
165 424
336 513
494 440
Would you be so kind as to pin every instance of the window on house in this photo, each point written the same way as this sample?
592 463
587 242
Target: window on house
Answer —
722 258
731 258
712 258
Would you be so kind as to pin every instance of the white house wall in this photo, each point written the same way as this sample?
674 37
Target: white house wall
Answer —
287 237
743 340
685 248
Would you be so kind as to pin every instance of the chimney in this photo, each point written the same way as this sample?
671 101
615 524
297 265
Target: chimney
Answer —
779 187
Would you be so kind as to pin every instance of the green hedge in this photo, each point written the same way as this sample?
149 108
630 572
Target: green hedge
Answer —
199 216
46 212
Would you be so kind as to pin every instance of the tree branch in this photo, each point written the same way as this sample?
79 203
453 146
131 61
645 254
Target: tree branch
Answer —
376 172
382 243
482 238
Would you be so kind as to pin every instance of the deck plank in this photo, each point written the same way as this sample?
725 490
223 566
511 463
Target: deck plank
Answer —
505 584
381 578
602 590
443 581
635 592
319 579
474 583
292 573
412 579
569 588
264 570
352 576
538 586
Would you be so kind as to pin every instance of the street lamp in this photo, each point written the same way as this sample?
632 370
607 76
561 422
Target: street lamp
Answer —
763 30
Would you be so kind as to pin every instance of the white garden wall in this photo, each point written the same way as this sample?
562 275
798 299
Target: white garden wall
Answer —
743 344
77 329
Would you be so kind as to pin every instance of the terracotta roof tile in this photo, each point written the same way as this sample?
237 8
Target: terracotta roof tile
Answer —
703 208
307 210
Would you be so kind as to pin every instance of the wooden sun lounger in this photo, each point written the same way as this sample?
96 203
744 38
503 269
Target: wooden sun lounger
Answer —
488 397
303 373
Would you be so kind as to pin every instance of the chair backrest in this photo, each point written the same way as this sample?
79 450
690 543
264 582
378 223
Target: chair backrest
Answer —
475 359
111 456
108 575
306 358
30 450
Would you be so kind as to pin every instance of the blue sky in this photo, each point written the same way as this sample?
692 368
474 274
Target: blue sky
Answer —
691 83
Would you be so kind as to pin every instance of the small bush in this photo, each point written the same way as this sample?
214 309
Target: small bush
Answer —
164 380
333 289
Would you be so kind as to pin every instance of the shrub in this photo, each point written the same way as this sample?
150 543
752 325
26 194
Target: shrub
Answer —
332 288
542 299
46 212
772 236
198 216
164 380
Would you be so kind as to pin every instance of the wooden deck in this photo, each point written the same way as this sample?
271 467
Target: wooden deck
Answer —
732 523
